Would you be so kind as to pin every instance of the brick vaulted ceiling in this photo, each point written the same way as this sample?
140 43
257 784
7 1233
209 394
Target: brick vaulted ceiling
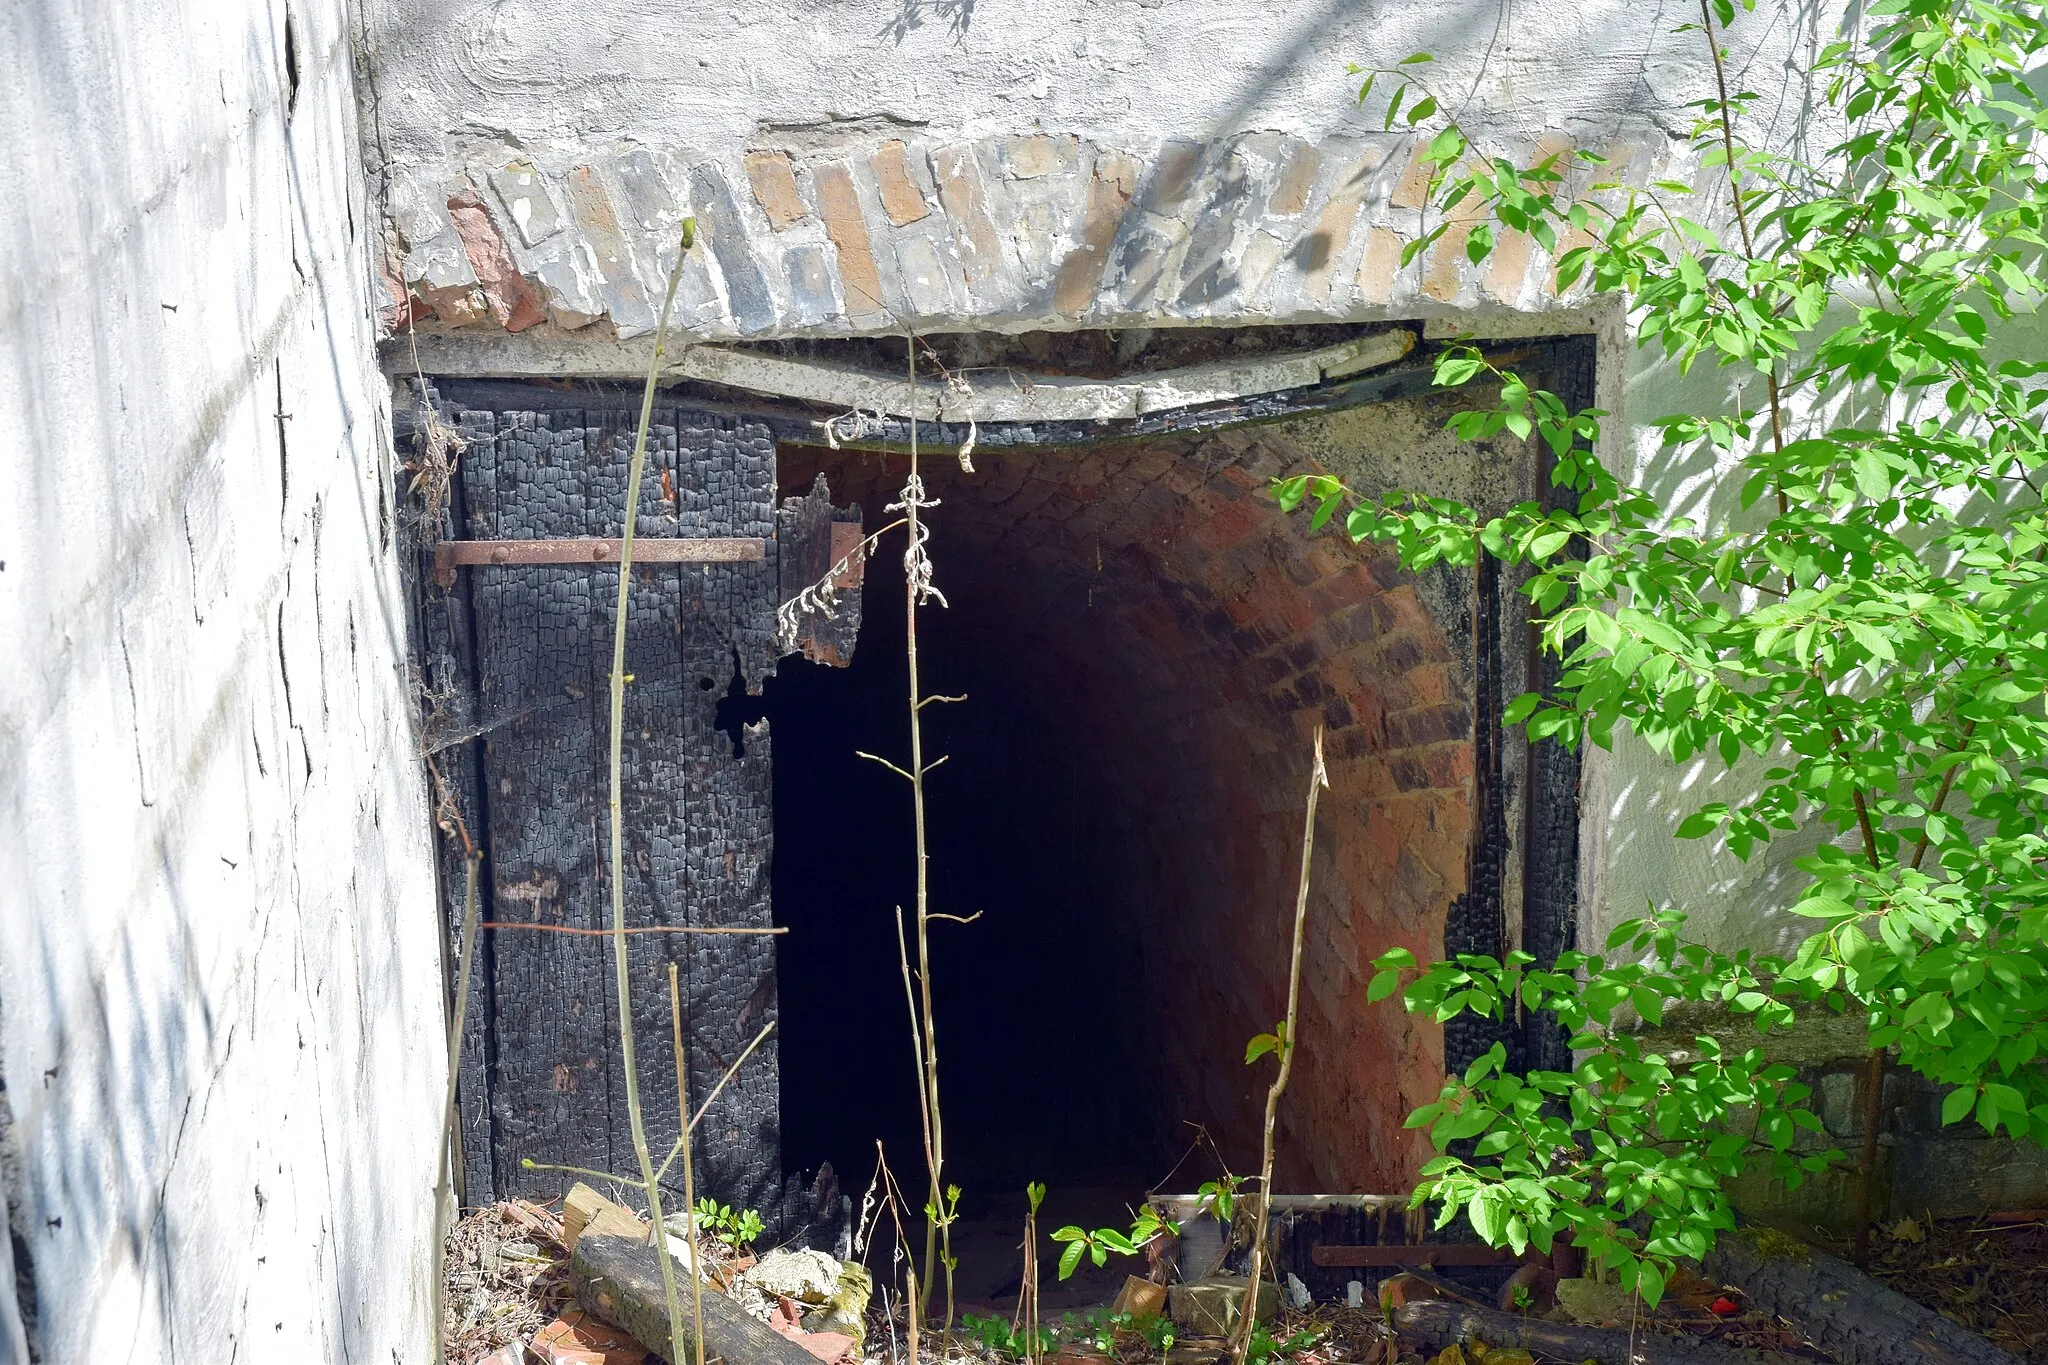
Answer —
1196 637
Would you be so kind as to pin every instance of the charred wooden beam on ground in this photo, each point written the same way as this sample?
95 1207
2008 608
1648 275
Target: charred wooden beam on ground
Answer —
1433 1324
618 1280
1845 1312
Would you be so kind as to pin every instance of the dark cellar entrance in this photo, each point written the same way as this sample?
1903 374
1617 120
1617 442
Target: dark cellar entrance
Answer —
1145 645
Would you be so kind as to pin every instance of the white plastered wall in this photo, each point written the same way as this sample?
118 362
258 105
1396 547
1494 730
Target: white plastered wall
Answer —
219 1007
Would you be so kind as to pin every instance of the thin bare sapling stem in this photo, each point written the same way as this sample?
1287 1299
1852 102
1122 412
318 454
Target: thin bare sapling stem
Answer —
917 564
910 1323
1027 1286
1247 1317
675 1023
636 469
917 588
444 1194
924 1098
705 1108
528 1163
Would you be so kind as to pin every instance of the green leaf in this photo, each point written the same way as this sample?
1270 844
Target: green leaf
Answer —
1650 1282
1823 907
1873 476
1698 825
1869 638
1457 367
1070 1258
1382 985
1649 1005
1479 243
1259 1046
1957 1105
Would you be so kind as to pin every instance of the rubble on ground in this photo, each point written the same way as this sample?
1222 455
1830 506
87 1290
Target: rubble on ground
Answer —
506 1277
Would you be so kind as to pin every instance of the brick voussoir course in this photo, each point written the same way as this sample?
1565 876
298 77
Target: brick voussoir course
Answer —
1044 230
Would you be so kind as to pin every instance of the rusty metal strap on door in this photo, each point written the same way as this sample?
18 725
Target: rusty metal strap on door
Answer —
452 554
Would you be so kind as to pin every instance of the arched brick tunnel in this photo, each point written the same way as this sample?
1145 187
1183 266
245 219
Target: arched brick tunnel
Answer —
1146 644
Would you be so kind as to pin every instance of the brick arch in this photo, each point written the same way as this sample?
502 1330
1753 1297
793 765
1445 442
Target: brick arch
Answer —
1200 635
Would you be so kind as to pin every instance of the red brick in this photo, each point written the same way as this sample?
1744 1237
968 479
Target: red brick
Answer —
513 301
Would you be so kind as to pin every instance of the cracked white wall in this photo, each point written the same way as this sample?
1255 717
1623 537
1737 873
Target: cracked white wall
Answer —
219 1012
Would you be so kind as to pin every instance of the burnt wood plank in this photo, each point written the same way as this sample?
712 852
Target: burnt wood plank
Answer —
1845 1312
540 677
619 1280
696 787
1452 1254
655 755
1550 877
1434 1325
728 620
813 537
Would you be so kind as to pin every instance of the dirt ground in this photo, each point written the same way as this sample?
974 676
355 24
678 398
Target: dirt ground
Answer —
507 1279
1990 1276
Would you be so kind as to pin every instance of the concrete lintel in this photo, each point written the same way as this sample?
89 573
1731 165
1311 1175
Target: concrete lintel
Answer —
992 396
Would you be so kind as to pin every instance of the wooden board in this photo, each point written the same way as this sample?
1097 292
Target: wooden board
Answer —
619 1280
528 647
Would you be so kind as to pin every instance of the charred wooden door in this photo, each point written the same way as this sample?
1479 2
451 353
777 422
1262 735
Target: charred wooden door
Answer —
524 652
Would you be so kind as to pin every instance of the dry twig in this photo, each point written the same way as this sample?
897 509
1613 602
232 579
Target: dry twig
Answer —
675 1020
1248 1315
444 1194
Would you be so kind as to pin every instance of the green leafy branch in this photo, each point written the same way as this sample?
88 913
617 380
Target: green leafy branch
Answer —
1098 1244
1864 638
1625 1155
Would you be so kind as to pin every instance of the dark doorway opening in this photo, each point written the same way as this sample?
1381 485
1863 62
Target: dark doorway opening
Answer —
1037 999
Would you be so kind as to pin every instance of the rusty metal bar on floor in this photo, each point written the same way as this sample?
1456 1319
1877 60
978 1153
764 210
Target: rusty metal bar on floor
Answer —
451 554
1430 1255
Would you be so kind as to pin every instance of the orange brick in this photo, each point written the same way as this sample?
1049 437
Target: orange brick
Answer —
774 182
1411 191
1109 194
1509 266
1444 276
902 200
839 206
1378 265
1297 179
